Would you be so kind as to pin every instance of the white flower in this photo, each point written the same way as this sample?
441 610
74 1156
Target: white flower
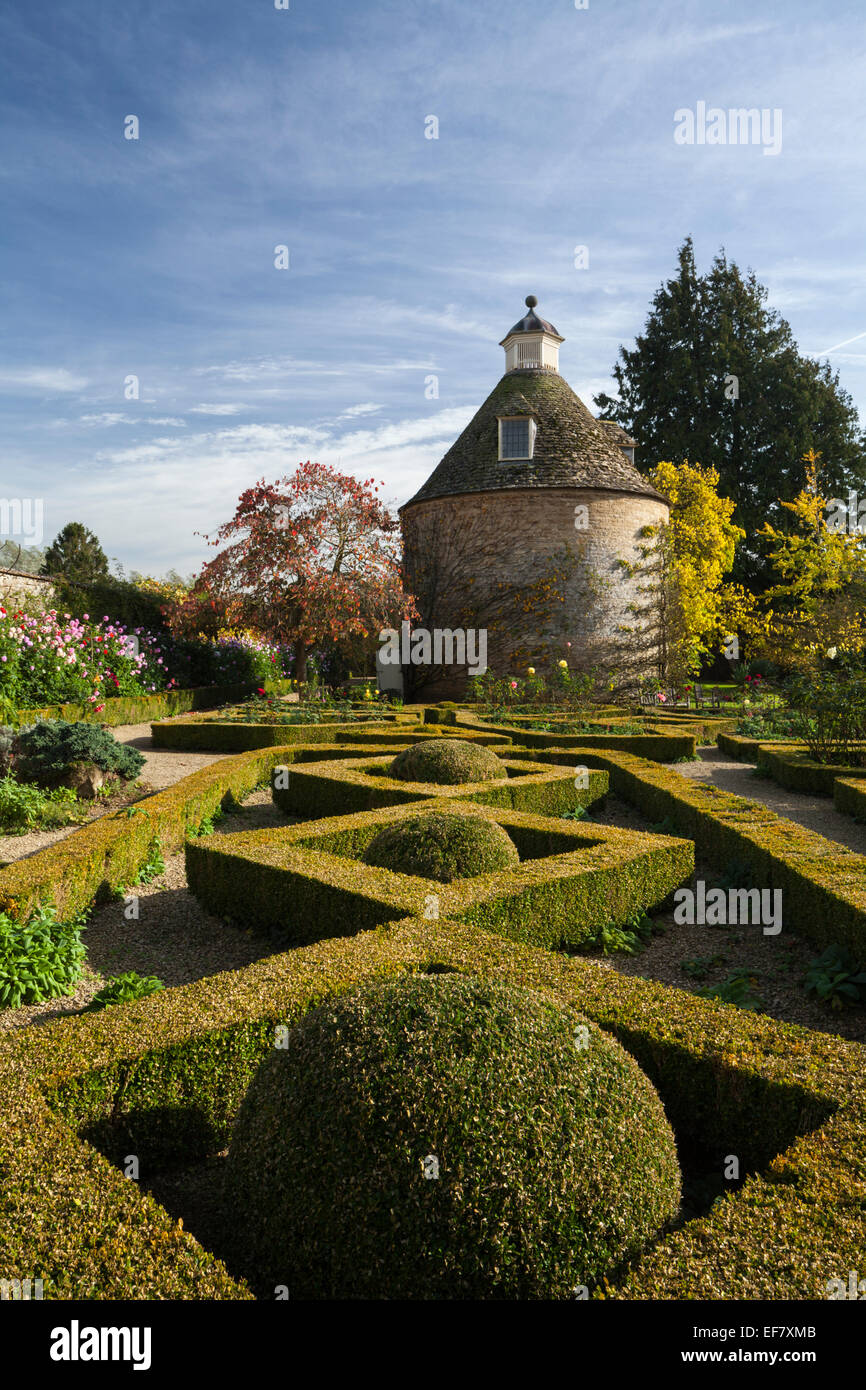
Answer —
831 652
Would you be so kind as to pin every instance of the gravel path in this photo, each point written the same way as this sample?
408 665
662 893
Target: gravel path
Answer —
814 812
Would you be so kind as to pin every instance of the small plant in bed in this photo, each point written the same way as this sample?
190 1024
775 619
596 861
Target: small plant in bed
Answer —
739 988
834 979
55 753
24 807
628 939
122 989
277 713
39 959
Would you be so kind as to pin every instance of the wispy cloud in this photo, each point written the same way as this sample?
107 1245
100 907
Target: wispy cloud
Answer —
46 379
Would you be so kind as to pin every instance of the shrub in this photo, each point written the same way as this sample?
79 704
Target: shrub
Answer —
40 959
443 1136
443 847
830 716
123 988
50 748
24 807
447 761
834 979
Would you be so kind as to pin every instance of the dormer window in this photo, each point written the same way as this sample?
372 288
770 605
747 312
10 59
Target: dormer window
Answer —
516 437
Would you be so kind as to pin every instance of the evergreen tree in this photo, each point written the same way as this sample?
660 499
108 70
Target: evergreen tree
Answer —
716 378
75 554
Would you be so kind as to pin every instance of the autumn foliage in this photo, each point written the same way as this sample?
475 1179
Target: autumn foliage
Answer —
309 559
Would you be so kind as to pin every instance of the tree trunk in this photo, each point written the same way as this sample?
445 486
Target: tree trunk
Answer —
300 665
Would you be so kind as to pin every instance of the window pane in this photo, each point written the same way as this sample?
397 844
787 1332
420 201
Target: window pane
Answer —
515 439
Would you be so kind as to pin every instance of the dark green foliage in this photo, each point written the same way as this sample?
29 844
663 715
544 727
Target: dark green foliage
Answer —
555 1161
834 979
700 967
447 761
51 747
76 554
25 807
153 866
122 988
442 847
739 988
701 330
40 959
124 603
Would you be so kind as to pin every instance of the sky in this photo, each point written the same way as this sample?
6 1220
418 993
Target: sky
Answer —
409 257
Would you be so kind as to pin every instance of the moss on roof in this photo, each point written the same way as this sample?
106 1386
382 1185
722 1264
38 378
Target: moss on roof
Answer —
572 448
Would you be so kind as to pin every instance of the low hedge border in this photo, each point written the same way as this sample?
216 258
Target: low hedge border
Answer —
163 1078
141 709
296 881
792 768
660 747
745 750
107 854
210 736
849 797
342 787
823 883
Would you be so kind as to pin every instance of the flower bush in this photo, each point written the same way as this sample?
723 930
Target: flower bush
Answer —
51 657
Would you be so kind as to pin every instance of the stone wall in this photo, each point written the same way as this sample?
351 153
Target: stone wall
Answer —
486 555
18 587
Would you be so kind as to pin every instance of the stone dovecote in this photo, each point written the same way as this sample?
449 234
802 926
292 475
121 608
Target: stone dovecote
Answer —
533 474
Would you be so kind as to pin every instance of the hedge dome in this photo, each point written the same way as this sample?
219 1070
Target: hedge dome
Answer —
447 1137
447 761
443 846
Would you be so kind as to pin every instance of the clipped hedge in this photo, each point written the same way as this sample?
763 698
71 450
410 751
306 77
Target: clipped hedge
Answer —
302 882
213 736
660 746
849 796
745 750
553 1164
823 883
106 854
163 1078
346 785
141 709
792 768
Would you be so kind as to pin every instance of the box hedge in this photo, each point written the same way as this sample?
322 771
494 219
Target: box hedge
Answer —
214 736
302 882
141 709
791 767
340 787
163 1078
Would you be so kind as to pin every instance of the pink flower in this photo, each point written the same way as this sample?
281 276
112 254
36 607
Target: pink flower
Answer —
514 685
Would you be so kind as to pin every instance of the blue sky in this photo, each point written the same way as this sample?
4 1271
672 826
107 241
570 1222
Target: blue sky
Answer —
408 256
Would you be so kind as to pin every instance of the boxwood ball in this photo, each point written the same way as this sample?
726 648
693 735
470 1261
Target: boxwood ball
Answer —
447 1137
443 846
447 762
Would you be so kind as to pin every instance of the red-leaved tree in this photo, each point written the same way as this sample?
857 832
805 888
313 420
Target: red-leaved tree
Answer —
307 559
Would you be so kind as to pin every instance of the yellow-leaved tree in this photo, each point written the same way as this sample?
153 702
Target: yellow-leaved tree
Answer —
818 603
685 608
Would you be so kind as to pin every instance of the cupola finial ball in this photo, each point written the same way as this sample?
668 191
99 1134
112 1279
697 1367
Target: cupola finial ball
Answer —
530 301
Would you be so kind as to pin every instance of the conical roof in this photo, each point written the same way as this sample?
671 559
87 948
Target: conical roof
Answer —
572 448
